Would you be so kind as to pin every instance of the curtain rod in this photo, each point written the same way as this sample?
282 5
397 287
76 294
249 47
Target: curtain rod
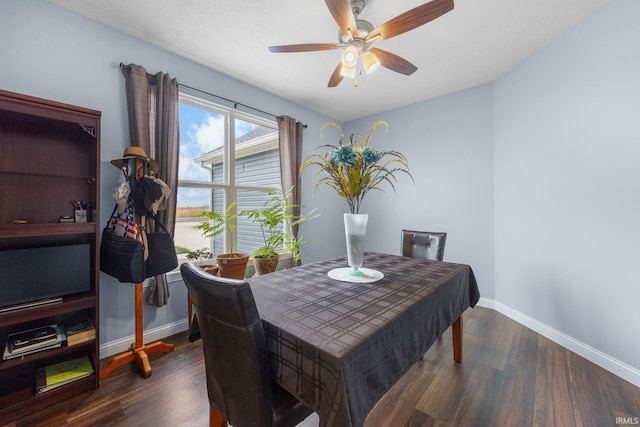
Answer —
235 103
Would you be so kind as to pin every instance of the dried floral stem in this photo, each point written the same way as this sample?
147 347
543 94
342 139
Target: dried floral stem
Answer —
351 168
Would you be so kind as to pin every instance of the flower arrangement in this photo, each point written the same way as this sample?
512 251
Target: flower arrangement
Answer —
352 169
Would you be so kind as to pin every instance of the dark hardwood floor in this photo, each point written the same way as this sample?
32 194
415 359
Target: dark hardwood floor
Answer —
510 376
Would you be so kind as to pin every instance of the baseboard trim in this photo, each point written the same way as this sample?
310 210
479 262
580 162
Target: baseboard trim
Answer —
611 364
487 303
156 334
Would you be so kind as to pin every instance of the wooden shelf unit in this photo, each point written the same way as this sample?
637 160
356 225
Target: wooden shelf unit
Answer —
49 155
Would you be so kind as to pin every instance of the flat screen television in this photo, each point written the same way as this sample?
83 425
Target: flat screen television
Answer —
37 274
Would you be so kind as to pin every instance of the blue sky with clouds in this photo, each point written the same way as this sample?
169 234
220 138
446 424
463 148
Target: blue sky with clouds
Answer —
201 131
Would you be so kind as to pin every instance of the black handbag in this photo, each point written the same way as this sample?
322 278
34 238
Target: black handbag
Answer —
121 257
162 252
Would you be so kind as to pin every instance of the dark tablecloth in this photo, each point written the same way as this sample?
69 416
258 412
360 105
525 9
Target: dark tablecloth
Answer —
340 346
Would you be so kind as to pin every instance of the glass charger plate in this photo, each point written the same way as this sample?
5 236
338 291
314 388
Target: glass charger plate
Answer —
344 275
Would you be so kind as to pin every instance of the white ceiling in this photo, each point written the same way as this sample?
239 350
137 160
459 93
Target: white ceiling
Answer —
475 43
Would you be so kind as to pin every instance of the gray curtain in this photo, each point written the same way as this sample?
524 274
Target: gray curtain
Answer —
152 102
290 135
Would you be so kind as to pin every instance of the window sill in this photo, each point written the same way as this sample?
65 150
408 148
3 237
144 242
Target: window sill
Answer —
174 275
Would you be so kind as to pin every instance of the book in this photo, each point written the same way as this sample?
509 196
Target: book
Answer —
54 376
81 334
81 340
78 337
79 327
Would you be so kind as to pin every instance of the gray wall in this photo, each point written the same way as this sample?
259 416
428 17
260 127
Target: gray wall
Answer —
567 184
534 177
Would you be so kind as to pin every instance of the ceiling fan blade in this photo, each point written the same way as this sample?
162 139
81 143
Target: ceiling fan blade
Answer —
393 62
336 77
342 14
308 47
411 19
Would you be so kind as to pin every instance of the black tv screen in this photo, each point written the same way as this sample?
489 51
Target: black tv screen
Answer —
35 274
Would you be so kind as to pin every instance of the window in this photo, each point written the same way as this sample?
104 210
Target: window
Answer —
214 172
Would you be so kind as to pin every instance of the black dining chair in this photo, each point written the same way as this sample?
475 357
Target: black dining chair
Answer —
238 383
423 244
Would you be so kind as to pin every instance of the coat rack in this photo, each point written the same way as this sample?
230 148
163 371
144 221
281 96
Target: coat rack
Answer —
134 167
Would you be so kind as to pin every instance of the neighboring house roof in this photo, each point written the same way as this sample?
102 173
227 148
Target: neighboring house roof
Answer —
256 133
258 140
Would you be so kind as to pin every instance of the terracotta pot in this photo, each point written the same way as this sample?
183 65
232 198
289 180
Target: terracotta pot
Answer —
265 265
232 266
210 268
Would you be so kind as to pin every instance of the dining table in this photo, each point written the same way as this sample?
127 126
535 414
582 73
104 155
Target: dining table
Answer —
338 345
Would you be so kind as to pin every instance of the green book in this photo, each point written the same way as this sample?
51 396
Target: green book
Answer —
62 373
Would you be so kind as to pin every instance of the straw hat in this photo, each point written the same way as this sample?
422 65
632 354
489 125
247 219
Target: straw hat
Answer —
136 153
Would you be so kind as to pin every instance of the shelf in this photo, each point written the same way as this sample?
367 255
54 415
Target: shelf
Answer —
46 354
46 229
12 402
86 179
67 305
36 109
49 156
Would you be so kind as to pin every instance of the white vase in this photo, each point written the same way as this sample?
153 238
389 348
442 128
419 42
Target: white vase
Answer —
355 227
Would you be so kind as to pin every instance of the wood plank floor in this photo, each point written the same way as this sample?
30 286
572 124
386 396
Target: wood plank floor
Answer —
510 376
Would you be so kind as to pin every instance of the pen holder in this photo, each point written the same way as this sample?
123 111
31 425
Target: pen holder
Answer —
81 215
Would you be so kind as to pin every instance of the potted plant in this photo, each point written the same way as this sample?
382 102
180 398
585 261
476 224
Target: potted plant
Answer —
232 265
272 218
201 255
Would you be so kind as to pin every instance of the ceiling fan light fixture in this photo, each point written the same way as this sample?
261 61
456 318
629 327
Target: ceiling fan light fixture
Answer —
346 71
357 36
350 56
370 62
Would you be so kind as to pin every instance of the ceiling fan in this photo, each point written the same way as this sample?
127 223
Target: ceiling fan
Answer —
356 37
